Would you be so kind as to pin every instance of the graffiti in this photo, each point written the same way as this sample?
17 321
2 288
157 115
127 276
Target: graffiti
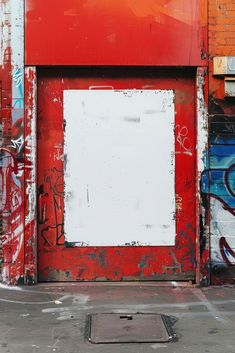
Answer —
183 141
12 147
7 170
52 192
18 77
17 138
30 176
18 144
227 252
218 181
178 203
12 168
11 179
17 90
58 154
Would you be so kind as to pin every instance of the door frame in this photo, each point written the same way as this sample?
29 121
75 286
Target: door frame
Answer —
201 127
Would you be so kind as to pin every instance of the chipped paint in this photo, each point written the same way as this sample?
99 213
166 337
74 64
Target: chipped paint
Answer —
30 176
5 21
61 260
202 240
12 171
202 123
30 144
75 261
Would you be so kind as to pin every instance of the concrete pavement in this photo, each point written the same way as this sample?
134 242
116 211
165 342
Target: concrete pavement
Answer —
52 317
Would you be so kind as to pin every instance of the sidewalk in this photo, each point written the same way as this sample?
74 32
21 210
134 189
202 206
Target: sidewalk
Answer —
52 317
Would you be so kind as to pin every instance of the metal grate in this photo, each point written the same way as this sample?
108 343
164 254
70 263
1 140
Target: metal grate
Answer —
128 328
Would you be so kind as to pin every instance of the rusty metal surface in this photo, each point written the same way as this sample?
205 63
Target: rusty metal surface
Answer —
128 328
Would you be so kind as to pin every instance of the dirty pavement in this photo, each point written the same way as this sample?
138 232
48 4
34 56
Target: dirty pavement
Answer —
53 317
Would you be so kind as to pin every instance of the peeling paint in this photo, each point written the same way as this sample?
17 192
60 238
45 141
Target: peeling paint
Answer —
121 262
202 256
12 171
75 260
30 176
5 25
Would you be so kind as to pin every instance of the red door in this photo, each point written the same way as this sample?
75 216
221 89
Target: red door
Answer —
116 175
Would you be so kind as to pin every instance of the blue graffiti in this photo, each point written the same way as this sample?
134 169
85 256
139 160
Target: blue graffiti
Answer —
219 179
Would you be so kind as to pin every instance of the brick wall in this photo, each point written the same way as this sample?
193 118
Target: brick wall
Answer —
221 43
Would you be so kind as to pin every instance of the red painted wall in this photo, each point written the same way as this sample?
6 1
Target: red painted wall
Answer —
57 261
124 32
12 144
84 32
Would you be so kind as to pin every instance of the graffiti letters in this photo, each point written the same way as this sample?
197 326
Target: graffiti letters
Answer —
183 143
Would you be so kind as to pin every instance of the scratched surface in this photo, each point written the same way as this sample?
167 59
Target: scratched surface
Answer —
60 260
114 143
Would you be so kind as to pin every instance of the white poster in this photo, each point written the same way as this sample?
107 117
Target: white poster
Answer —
119 167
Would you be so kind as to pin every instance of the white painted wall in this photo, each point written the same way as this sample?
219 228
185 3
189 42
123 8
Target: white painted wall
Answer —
119 175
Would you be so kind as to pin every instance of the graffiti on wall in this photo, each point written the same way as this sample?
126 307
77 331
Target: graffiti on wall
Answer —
51 193
12 207
219 182
30 176
12 146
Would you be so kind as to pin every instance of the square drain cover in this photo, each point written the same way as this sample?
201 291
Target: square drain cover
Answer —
128 328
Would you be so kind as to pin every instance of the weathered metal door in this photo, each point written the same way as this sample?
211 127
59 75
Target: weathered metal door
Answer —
116 175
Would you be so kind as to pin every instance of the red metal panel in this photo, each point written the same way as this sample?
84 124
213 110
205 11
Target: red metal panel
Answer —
124 32
57 261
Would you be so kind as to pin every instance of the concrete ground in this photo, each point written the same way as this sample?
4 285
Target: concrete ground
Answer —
52 317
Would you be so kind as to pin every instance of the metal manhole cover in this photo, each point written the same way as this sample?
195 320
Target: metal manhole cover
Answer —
128 328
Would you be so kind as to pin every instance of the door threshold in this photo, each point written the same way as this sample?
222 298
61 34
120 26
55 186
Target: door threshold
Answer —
172 284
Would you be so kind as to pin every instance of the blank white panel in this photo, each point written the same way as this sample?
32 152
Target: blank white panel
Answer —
120 167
